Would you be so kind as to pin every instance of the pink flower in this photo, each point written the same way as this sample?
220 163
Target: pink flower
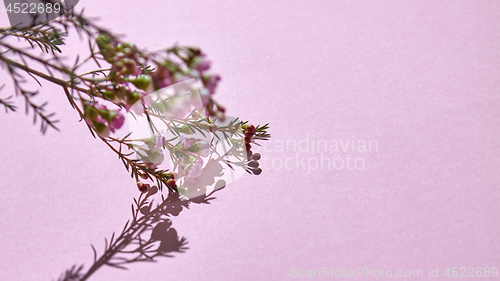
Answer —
211 83
165 82
156 141
205 96
192 164
159 140
181 78
190 158
117 122
154 158
204 65
193 172
101 119
137 71
187 142
162 77
195 147
100 107
94 119
152 151
201 63
100 125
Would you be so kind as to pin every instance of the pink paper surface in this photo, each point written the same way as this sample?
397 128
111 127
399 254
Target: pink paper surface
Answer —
418 78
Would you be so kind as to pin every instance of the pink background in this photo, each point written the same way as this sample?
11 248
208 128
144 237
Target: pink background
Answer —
420 77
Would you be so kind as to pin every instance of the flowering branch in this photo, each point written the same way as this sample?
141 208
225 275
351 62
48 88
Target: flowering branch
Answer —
170 90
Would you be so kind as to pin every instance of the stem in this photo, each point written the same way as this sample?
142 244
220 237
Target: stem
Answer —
17 50
52 79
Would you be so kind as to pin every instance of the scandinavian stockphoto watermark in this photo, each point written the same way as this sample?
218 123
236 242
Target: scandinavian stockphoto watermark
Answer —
311 154
360 271
365 272
28 13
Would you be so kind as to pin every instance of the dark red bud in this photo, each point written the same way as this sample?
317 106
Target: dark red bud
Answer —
171 183
251 129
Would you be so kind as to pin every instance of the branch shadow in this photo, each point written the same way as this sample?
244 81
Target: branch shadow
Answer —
149 235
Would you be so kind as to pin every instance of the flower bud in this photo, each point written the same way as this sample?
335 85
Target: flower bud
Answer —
256 156
127 51
109 95
118 66
257 171
200 63
185 130
133 97
108 115
130 67
102 40
142 81
251 129
104 43
101 128
124 46
201 147
211 82
171 183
